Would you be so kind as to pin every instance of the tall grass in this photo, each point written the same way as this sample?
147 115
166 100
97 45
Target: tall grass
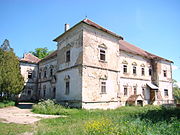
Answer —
149 120
6 103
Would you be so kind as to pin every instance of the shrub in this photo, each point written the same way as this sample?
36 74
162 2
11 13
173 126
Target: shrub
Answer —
6 103
48 107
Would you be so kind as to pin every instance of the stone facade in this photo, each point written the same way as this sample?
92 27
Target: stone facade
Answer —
95 68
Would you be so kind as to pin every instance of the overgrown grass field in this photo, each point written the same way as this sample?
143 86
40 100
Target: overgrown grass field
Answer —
148 120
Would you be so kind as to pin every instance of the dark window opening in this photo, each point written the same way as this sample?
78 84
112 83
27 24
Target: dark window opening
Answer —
142 71
125 68
135 90
29 92
30 75
51 72
125 91
165 92
68 56
102 55
39 75
165 73
134 70
67 87
45 74
150 71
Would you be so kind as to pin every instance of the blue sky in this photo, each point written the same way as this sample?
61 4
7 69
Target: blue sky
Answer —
153 25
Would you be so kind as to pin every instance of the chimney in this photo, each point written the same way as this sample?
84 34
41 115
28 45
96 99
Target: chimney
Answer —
67 26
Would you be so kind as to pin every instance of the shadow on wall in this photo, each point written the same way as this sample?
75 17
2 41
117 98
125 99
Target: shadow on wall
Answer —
25 105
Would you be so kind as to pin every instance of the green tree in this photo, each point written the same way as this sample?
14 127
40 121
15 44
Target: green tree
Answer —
176 91
11 80
41 52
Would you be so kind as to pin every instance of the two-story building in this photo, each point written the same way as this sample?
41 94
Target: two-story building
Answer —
96 68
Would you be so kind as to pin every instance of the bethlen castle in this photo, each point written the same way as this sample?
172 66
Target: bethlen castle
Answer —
96 68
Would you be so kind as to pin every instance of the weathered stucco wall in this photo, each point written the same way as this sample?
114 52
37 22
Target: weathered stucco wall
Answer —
29 92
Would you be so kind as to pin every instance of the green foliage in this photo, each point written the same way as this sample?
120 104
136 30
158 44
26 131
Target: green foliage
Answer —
6 103
11 80
148 120
49 107
41 52
176 91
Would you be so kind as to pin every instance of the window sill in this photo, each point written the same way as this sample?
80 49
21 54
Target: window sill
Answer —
103 93
103 61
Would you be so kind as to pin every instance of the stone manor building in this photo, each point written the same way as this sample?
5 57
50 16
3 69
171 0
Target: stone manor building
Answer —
96 68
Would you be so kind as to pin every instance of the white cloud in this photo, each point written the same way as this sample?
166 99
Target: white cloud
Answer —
174 67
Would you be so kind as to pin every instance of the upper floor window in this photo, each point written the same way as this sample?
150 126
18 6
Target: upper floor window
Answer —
51 72
150 71
30 75
166 92
39 75
103 86
125 91
135 90
142 71
102 54
45 74
134 69
124 68
165 73
68 56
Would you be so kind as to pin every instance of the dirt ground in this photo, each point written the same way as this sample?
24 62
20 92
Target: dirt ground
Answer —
21 114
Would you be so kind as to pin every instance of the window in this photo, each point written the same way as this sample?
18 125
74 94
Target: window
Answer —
142 71
51 72
29 92
143 91
30 75
54 92
103 86
102 54
39 75
125 91
68 56
150 71
67 87
165 92
134 69
45 74
135 90
44 91
165 73
124 69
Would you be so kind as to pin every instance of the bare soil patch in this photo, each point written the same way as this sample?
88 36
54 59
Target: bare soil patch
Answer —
22 114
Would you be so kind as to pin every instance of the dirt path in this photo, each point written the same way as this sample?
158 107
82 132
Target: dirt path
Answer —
21 114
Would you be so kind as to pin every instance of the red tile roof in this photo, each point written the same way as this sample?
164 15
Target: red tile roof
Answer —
130 48
28 57
91 23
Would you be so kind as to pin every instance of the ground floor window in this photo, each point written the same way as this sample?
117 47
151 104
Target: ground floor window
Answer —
67 87
135 90
103 86
125 91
